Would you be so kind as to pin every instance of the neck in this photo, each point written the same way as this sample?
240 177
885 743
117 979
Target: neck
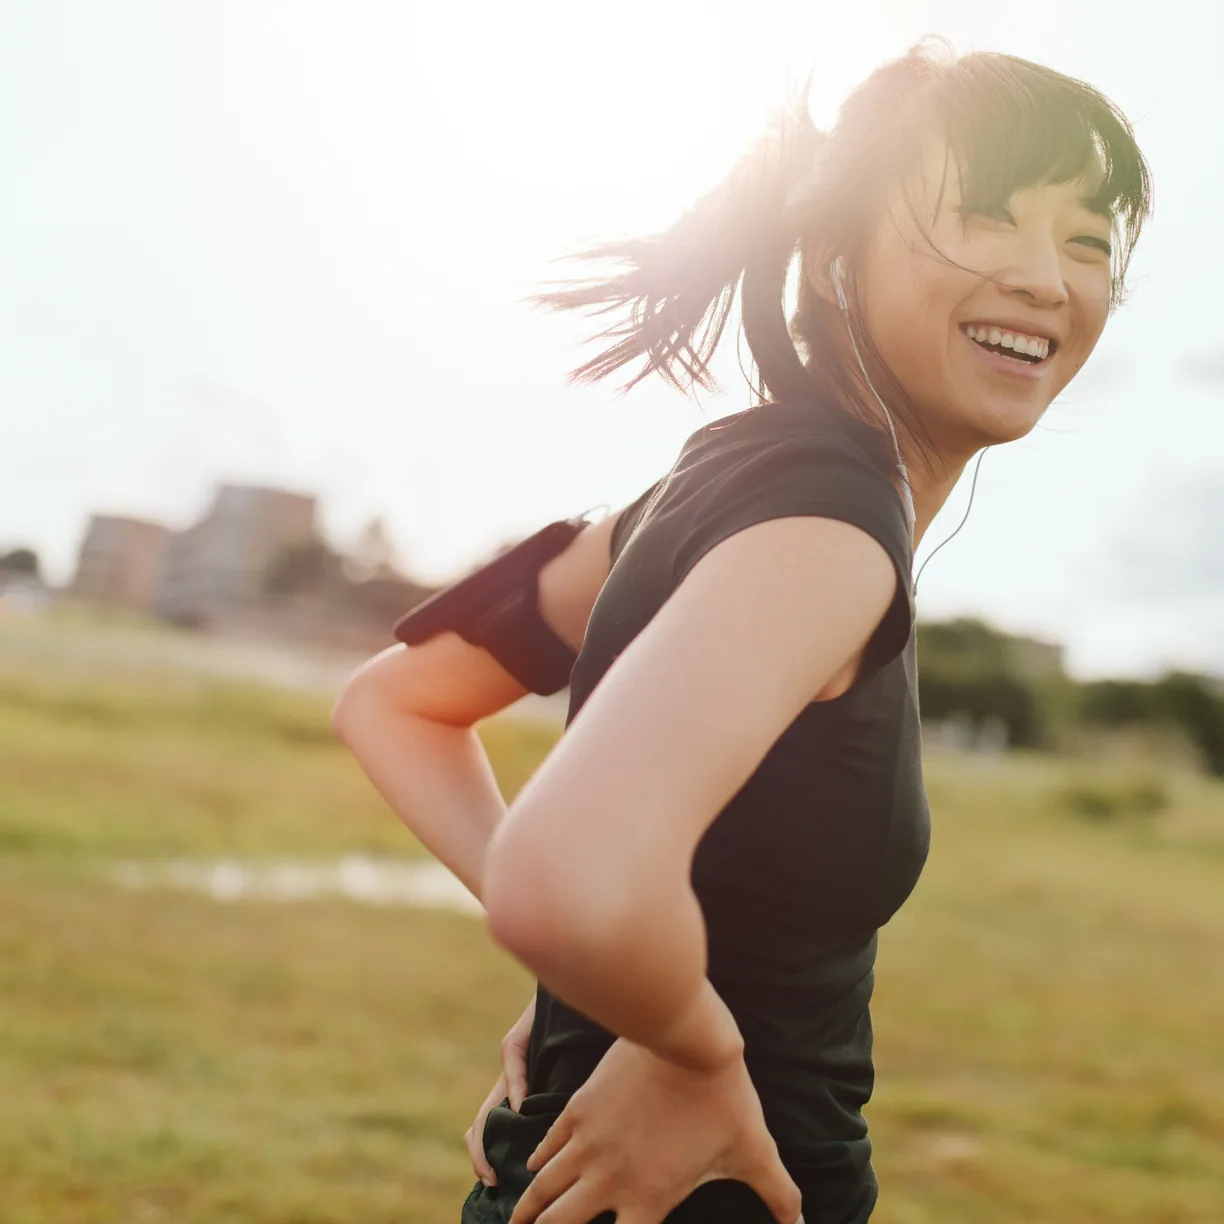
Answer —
931 491
928 490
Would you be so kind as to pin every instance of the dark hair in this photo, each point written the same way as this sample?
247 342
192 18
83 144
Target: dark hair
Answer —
1009 123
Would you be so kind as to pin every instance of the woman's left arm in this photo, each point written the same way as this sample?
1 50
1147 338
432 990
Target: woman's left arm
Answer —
587 880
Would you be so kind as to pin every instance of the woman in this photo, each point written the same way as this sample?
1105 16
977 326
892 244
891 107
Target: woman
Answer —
698 872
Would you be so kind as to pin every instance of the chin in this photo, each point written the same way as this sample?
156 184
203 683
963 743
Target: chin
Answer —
998 424
1011 427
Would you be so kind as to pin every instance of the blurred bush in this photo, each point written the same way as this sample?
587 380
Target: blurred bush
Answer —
1110 793
1192 704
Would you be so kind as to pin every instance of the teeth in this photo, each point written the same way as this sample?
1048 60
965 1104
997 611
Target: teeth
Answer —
1031 346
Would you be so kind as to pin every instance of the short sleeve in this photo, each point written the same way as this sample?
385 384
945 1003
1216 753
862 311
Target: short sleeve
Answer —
630 516
821 473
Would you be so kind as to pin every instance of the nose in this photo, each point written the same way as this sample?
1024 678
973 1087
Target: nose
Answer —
1035 272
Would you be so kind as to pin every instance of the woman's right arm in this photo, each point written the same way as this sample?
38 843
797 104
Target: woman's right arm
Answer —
408 715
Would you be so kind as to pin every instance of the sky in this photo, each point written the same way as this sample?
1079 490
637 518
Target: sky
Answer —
288 243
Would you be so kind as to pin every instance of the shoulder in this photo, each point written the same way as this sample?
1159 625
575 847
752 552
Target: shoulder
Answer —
777 433
778 461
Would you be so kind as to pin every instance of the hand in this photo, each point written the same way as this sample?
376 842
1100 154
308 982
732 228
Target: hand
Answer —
511 1083
642 1133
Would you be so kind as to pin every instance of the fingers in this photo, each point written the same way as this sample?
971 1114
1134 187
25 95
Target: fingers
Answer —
514 1068
473 1137
516 1088
552 1181
778 1190
558 1133
581 1203
757 1162
481 1167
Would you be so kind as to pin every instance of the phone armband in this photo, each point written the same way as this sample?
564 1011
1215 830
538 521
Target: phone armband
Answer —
497 607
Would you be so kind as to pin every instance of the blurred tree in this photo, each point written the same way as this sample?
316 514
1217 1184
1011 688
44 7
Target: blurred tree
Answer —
985 697
373 555
387 598
963 649
1179 699
22 561
1117 703
968 668
310 568
1188 700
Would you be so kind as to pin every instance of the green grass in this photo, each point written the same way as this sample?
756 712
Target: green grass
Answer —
1049 1007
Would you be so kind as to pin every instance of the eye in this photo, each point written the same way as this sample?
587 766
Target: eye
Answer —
1100 244
993 212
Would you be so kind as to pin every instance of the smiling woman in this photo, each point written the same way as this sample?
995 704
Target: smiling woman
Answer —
1006 300
698 872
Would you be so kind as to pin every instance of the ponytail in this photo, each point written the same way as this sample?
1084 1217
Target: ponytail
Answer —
676 289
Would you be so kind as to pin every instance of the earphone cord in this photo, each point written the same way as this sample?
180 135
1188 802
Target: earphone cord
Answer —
836 274
972 489
909 496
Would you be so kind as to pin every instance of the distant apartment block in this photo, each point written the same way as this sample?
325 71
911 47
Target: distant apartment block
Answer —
120 561
220 563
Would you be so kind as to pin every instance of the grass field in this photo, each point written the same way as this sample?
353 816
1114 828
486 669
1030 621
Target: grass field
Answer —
1049 1009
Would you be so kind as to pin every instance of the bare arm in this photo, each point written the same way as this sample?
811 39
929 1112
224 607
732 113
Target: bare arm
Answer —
408 715
587 879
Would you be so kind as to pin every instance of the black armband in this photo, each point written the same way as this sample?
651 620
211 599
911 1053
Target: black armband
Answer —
497 607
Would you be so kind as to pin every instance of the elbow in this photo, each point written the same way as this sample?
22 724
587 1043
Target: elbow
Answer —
371 694
520 909
543 912
342 714
352 708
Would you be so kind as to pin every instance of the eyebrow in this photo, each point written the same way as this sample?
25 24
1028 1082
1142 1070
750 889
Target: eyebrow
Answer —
1097 206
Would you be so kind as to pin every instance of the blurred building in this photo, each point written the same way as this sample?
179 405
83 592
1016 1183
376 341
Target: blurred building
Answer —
221 562
121 561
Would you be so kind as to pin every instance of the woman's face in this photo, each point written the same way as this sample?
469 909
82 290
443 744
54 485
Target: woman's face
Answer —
982 359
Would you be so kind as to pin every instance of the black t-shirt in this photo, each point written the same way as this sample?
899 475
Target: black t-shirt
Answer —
813 854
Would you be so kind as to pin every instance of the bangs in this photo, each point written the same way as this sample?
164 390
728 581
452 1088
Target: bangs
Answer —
1012 124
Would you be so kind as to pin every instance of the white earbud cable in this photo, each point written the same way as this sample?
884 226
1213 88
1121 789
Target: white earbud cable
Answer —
835 270
908 497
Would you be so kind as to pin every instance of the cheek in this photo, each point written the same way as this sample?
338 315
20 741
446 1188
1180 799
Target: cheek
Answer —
911 317
1097 312
911 295
1092 311
908 331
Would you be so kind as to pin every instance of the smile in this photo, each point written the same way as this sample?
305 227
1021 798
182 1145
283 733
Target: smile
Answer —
1015 351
